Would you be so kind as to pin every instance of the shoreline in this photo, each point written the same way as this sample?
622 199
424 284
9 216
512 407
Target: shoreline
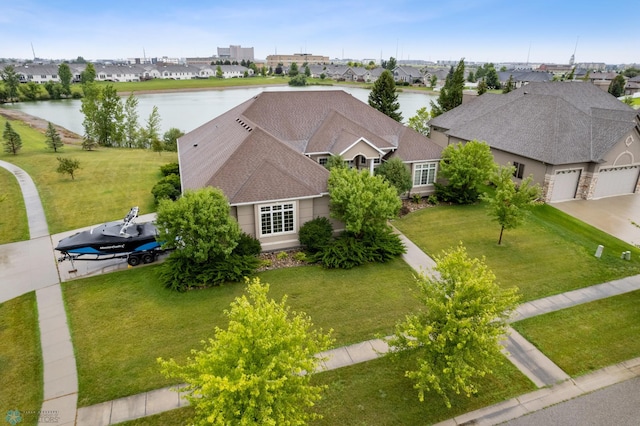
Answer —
68 136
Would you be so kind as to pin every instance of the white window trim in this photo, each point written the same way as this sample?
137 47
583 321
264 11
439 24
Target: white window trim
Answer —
293 209
418 168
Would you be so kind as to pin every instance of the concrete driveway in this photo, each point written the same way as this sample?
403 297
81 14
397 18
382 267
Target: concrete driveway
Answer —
614 215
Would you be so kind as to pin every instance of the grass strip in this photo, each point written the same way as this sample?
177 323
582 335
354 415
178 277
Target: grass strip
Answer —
588 337
377 393
20 358
13 222
121 322
551 253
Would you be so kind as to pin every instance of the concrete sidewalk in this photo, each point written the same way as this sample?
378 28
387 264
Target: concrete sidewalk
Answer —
534 364
20 277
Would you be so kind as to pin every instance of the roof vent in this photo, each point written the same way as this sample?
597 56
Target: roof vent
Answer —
243 124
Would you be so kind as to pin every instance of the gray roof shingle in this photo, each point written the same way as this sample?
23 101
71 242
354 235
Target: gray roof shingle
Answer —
557 123
256 151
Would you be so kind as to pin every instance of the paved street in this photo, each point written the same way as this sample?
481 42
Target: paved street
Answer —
617 405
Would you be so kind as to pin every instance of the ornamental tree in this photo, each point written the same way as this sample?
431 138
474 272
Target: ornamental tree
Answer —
396 173
420 121
258 370
510 203
68 166
363 202
465 167
198 225
458 334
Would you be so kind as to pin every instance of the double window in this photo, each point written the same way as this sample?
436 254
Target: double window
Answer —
424 174
277 219
519 170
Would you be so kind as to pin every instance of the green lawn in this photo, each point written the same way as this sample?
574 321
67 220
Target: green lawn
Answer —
110 180
13 221
377 393
550 254
20 357
121 322
590 336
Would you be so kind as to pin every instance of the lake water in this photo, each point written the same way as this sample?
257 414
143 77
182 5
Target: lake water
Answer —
188 110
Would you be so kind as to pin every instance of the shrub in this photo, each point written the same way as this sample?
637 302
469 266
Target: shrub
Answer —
315 234
432 199
348 251
247 246
170 169
282 255
181 274
345 252
416 198
383 245
163 190
167 188
300 256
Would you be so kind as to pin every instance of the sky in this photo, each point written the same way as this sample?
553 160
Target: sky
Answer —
536 31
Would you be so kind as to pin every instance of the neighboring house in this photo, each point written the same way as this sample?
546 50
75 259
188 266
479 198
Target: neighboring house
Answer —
37 73
178 72
521 78
235 71
409 75
633 86
118 73
576 140
267 156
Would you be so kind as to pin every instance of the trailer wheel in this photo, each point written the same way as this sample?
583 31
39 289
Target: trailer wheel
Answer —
133 260
148 258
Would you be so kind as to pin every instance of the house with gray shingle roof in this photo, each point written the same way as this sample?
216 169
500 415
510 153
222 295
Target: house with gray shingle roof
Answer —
267 155
576 140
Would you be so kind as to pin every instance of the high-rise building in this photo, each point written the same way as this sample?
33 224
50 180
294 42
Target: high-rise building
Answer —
236 53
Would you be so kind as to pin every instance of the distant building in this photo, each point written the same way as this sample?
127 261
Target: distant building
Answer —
236 53
298 58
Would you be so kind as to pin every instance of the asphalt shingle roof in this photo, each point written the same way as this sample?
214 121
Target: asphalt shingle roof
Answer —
256 151
557 123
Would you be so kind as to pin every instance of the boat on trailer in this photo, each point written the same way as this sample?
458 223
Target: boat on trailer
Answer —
124 239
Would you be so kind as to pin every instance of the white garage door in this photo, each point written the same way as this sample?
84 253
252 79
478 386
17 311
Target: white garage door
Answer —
565 184
616 181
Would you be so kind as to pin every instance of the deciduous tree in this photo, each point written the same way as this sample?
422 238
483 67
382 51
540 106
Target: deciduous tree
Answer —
109 118
65 75
170 139
258 370
198 225
363 202
465 167
11 81
53 139
383 96
130 129
293 70
31 90
420 121
396 173
89 74
12 140
458 334
510 203
68 166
